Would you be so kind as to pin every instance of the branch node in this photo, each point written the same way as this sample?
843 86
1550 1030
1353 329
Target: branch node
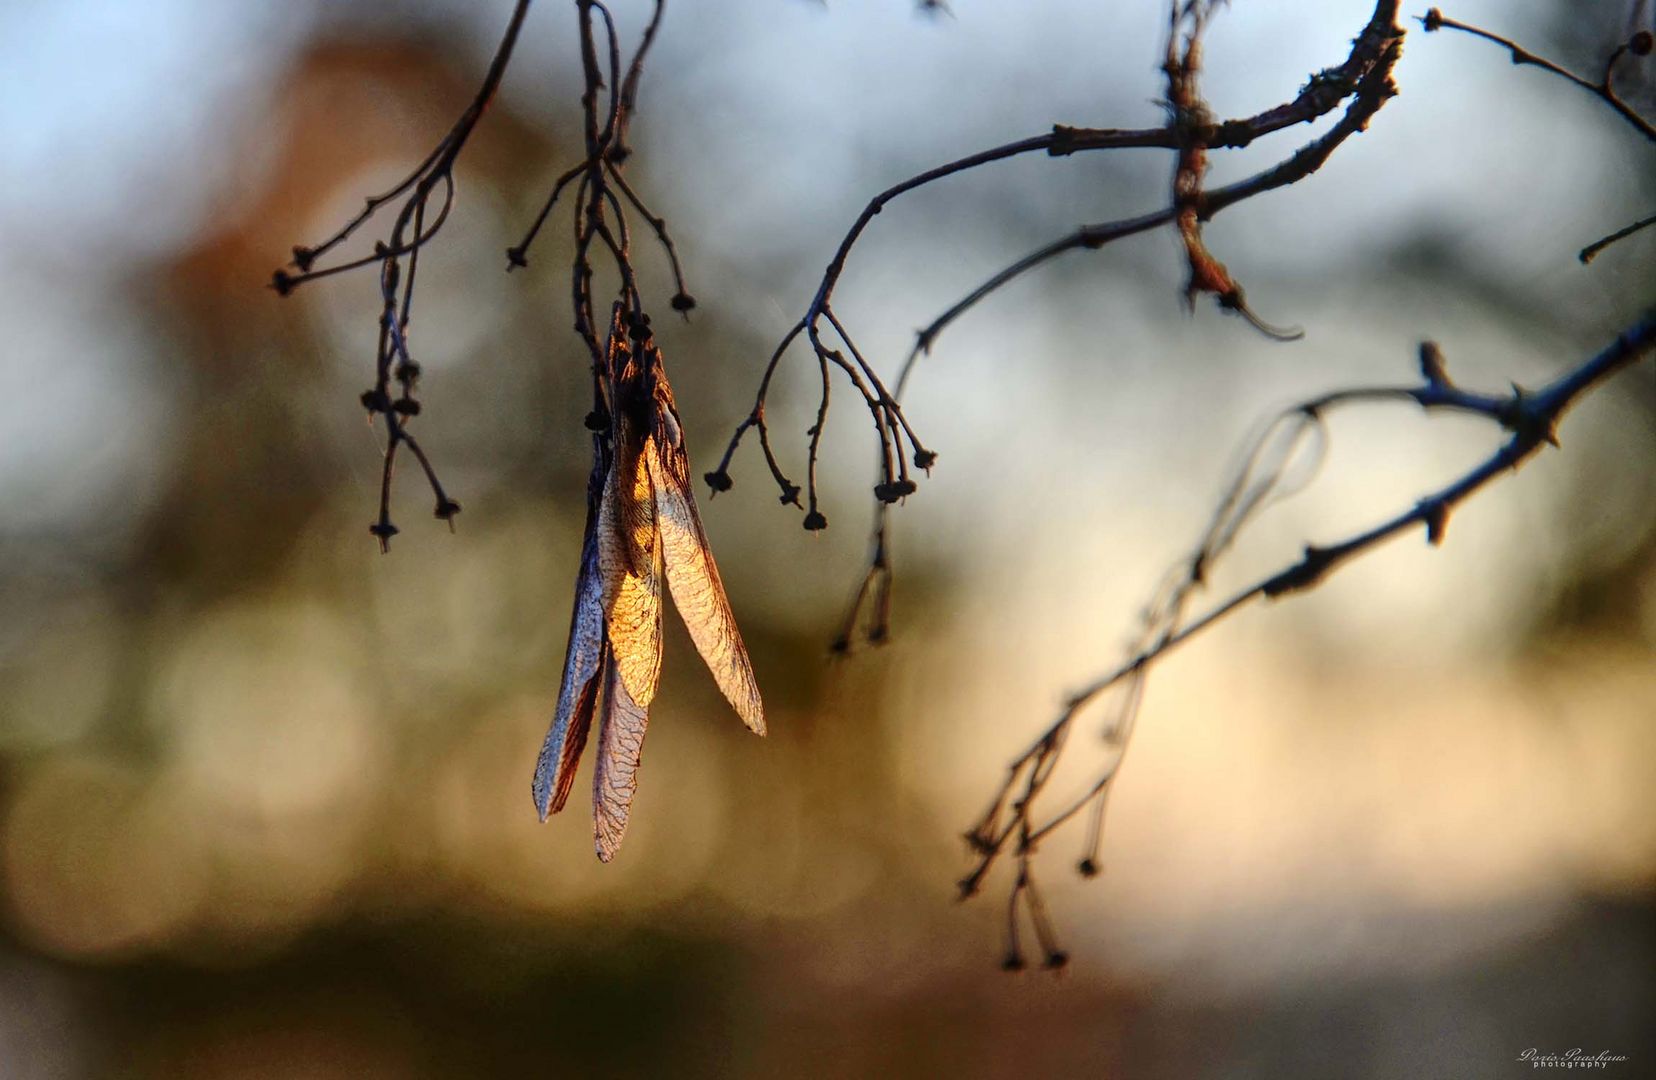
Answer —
1436 515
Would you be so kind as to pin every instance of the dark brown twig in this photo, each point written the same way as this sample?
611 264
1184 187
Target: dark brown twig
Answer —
1604 89
1364 78
1638 46
1529 419
408 235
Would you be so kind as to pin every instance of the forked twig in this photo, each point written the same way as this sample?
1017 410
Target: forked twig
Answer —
1013 823
409 233
1363 79
1639 45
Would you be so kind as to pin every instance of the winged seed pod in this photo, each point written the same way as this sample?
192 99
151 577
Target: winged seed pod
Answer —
641 524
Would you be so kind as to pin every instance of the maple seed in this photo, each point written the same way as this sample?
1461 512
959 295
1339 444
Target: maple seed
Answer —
815 522
718 480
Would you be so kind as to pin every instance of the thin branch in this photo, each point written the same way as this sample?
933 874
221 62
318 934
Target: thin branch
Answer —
1528 417
1603 89
1591 251
1364 77
393 360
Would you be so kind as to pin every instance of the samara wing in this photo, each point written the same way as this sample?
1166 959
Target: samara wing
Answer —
555 769
691 572
621 724
629 564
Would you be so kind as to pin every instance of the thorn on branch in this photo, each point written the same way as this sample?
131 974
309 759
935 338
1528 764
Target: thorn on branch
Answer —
1436 516
1432 367
1303 574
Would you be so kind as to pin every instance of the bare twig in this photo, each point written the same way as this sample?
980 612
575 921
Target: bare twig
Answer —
409 234
1591 251
1364 78
600 188
1528 417
1640 44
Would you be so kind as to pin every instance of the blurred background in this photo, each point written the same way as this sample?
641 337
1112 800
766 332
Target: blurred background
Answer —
264 792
